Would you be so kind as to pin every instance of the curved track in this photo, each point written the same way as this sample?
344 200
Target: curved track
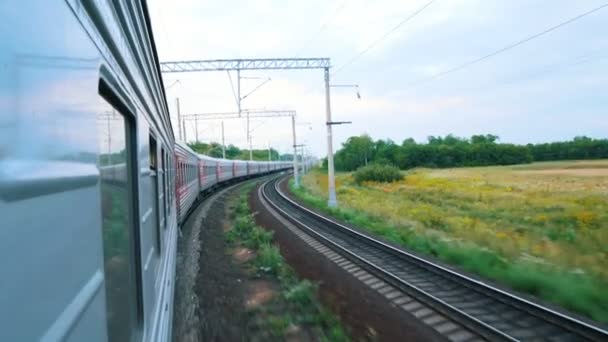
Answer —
487 312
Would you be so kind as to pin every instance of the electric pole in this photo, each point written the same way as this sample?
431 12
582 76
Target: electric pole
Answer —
223 142
295 153
196 128
331 181
179 118
269 155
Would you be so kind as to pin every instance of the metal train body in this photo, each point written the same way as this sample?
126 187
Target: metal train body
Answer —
92 184
198 174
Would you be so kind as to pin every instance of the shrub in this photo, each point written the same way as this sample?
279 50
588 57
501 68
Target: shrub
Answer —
300 293
377 173
269 259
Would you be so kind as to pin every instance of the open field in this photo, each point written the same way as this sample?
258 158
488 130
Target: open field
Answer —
540 228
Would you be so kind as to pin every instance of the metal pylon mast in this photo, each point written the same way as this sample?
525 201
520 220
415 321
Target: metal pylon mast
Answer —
269 64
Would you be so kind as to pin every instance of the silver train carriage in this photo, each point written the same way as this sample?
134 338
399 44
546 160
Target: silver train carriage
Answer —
90 175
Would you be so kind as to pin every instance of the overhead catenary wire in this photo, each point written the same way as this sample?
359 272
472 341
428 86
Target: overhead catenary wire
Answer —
322 27
383 37
507 47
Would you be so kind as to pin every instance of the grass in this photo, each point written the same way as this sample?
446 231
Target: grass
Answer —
543 232
298 298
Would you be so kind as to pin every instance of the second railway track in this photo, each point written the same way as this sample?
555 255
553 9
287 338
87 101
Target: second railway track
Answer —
476 311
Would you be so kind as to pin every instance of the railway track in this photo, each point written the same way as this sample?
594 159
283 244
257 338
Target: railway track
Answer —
431 292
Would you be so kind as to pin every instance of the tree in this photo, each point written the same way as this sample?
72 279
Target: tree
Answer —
453 151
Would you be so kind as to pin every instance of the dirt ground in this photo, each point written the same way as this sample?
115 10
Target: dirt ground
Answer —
367 315
218 299
219 284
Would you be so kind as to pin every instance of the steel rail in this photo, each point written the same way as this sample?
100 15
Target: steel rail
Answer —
572 328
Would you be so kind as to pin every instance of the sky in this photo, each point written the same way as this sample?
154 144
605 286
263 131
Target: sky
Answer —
553 87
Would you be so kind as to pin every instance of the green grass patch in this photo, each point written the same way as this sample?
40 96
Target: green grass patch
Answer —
576 291
297 303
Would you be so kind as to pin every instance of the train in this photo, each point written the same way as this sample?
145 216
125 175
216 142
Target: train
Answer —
93 184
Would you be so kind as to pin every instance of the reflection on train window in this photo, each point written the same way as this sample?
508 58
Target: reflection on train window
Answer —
118 242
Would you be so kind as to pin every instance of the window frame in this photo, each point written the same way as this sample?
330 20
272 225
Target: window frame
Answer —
109 91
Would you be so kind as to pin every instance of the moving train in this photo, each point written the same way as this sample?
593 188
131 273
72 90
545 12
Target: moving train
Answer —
93 186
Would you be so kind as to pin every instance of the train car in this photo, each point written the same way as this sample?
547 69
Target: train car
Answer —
240 168
188 184
92 183
257 166
225 170
86 174
207 172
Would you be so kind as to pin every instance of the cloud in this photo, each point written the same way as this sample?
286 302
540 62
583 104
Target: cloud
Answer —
550 88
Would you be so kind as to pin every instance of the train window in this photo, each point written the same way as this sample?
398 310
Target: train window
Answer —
169 182
154 183
117 189
153 161
165 183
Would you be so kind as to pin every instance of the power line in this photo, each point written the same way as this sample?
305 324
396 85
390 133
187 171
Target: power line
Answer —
323 27
508 47
379 40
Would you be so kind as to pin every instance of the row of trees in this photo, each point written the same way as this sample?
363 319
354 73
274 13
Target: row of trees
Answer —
452 151
232 152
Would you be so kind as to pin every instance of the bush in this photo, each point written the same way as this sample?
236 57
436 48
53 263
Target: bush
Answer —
269 259
377 173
